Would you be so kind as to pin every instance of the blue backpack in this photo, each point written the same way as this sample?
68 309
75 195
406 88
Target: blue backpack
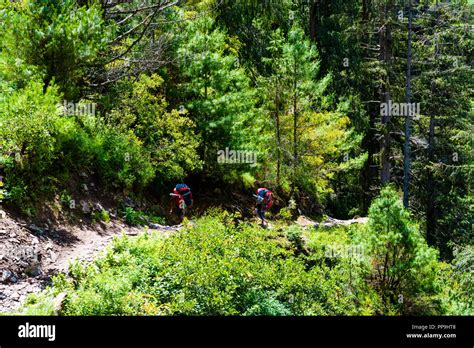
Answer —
185 191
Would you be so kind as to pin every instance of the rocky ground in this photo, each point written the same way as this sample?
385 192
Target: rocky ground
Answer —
30 254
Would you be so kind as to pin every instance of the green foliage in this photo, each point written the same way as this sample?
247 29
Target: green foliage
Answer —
250 22
40 145
44 146
290 212
39 305
65 198
213 268
27 132
216 92
168 136
101 215
458 283
402 262
59 38
295 236
308 135
264 303
283 79
286 214
121 160
134 217
217 267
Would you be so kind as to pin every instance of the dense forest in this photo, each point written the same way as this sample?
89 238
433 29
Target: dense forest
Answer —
342 108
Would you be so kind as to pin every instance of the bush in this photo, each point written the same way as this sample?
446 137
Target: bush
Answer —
101 215
27 132
41 147
168 138
213 268
458 283
404 267
218 267
295 236
289 213
121 161
286 214
134 217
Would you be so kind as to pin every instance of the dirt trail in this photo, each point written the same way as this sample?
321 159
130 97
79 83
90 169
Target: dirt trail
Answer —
30 254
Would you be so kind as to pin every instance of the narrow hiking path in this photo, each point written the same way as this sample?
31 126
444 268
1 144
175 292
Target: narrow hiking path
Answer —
30 254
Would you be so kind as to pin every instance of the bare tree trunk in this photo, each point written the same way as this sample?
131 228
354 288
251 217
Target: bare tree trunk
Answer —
278 134
370 179
385 58
295 133
313 15
407 159
430 187
431 215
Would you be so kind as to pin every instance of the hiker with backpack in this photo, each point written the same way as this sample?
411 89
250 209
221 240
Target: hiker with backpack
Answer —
182 198
264 202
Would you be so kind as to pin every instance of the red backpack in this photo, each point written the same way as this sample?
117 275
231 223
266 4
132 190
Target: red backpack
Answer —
266 195
185 192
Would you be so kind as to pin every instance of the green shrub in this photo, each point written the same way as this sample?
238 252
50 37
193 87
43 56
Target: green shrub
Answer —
121 160
289 213
213 268
65 198
404 267
134 217
101 215
265 303
286 214
157 220
458 282
27 133
166 137
295 236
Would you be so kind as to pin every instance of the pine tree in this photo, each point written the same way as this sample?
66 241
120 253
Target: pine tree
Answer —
308 134
216 91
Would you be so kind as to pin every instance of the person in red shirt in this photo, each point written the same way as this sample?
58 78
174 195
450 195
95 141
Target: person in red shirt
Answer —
182 198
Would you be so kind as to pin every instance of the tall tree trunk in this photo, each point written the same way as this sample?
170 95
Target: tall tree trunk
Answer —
205 122
407 159
370 174
385 43
313 16
278 132
431 212
295 132
430 187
